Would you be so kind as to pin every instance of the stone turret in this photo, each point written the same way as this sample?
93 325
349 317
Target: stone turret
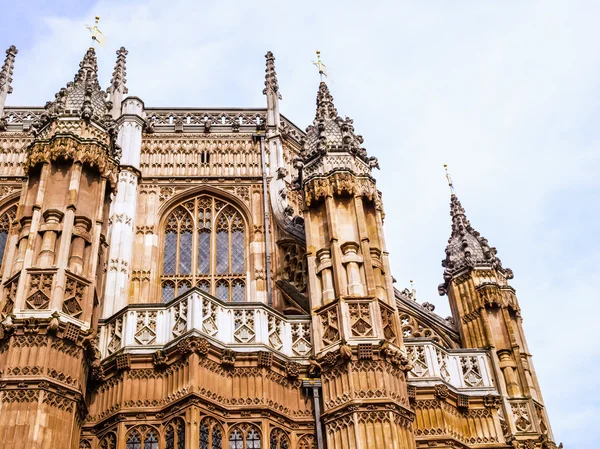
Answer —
130 122
487 313
351 293
466 248
57 270
5 80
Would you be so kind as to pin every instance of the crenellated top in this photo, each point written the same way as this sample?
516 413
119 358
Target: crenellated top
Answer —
466 248
5 80
117 88
329 133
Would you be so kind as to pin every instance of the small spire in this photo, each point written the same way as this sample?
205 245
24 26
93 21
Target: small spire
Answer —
6 76
82 97
117 88
466 247
271 84
325 107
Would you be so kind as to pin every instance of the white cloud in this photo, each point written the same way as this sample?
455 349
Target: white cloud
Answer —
505 93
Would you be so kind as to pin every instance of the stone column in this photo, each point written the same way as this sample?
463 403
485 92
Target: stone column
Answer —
123 208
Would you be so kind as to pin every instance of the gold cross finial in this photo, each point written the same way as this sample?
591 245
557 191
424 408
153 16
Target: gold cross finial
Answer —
97 35
449 179
322 67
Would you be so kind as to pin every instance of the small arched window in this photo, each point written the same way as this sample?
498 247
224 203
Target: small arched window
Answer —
6 221
244 436
175 435
279 440
211 434
204 247
142 437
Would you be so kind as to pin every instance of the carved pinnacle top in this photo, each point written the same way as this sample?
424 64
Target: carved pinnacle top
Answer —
271 85
325 107
330 132
467 248
7 69
118 79
83 96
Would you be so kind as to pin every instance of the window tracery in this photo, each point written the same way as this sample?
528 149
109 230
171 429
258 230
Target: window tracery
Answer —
279 440
175 435
244 436
204 246
109 441
142 437
211 434
6 221
411 328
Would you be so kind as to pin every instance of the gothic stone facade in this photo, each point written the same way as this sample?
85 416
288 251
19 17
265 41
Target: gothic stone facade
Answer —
218 278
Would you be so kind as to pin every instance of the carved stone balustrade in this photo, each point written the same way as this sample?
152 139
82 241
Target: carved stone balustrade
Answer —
245 327
467 370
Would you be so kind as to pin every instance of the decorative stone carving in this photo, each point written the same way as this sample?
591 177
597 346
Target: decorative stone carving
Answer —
228 358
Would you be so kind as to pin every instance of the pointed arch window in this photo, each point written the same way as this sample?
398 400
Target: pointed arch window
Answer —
175 435
142 438
279 440
204 247
244 437
211 434
6 220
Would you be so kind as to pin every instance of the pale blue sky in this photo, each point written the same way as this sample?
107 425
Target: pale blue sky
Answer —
506 93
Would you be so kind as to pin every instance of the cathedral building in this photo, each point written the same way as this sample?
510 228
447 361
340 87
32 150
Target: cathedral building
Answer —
204 278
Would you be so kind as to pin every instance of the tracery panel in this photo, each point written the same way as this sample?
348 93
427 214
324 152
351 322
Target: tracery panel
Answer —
204 246
211 434
244 436
142 437
175 435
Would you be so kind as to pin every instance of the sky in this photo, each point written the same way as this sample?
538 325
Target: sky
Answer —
505 93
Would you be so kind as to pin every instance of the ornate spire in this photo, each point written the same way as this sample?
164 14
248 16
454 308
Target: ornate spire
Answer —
118 88
325 107
82 97
466 248
6 76
331 133
271 85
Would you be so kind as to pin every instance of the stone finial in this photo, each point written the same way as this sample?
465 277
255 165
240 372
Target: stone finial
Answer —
118 88
325 107
466 247
271 84
6 77
7 69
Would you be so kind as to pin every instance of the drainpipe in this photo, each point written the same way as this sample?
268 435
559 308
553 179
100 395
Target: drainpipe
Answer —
260 137
311 388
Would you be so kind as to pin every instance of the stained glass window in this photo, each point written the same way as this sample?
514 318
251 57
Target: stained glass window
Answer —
204 247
